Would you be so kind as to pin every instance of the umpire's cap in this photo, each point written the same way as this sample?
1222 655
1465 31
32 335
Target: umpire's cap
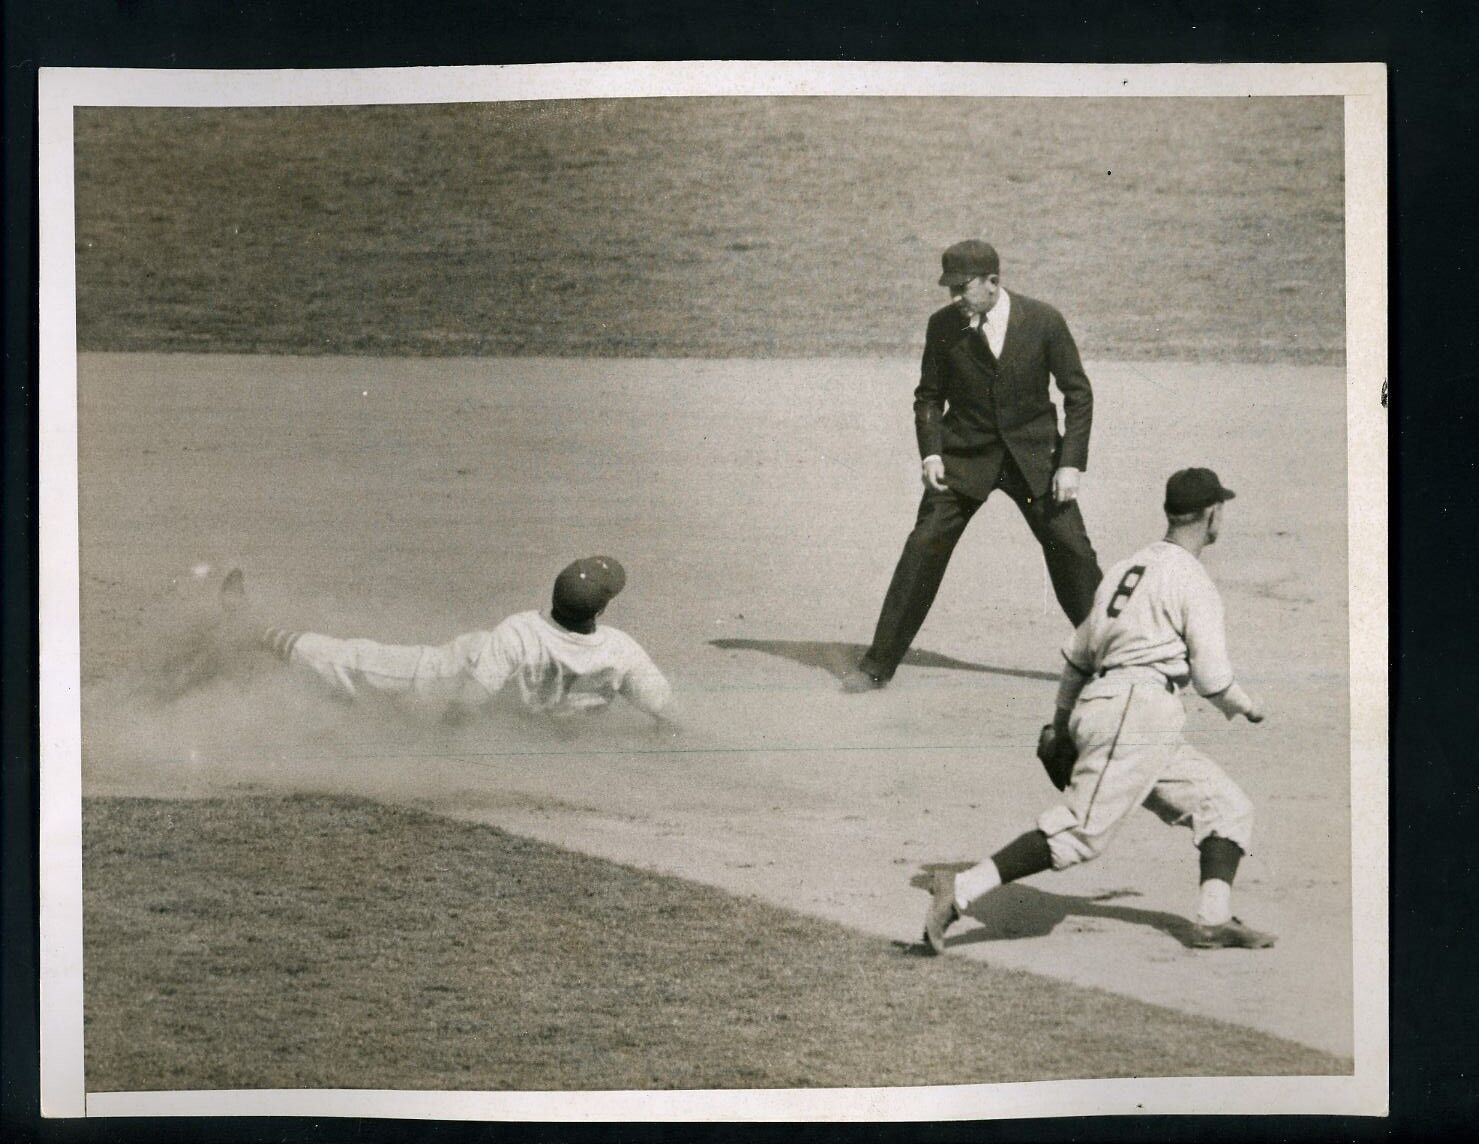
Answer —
588 585
966 260
1191 490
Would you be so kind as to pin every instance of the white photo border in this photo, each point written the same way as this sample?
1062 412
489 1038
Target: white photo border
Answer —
1363 87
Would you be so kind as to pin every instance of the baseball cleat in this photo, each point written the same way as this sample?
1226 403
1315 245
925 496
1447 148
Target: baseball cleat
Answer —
857 681
1231 934
942 912
236 631
211 647
233 591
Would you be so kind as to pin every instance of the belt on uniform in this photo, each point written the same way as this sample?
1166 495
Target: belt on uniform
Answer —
1145 672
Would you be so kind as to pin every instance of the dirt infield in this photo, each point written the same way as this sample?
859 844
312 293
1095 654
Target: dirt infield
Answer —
758 506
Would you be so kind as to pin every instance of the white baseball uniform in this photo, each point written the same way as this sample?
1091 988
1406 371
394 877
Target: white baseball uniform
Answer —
1156 625
556 671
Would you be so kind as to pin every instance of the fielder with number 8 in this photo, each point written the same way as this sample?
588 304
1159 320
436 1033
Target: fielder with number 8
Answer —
1155 626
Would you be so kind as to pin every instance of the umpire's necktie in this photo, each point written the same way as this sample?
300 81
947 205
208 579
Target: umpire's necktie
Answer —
986 341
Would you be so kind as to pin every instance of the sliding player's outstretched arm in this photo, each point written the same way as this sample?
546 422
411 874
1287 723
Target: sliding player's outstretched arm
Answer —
647 689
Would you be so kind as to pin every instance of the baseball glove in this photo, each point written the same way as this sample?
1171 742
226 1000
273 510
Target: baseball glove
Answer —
1057 754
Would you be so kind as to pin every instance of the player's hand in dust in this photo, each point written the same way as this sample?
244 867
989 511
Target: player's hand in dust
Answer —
1065 485
1255 712
932 469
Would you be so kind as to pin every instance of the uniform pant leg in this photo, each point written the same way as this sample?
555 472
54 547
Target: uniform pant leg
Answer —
1193 791
1126 738
937 528
1072 564
354 666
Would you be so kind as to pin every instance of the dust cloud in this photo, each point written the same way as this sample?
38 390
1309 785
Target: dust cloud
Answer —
188 719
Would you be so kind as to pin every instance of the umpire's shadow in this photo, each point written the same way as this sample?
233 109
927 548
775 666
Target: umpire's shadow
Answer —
1018 911
840 658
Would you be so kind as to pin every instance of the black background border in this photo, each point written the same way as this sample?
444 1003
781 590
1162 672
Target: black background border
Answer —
1434 418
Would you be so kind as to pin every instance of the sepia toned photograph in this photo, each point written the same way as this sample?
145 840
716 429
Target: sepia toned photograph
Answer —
715 587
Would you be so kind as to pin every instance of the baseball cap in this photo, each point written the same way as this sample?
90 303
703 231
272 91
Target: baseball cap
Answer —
966 260
1191 490
588 585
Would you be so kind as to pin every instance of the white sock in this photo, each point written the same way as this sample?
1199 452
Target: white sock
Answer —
1215 904
970 884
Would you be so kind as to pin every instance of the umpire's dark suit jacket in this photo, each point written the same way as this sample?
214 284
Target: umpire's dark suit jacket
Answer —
972 410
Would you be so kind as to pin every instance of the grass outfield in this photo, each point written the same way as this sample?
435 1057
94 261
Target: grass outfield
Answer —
325 942
1164 229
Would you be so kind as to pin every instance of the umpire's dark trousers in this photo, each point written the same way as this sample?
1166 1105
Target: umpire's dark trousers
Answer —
1072 565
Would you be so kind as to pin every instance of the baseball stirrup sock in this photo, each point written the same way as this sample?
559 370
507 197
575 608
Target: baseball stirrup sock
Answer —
1219 866
280 642
1219 858
1024 856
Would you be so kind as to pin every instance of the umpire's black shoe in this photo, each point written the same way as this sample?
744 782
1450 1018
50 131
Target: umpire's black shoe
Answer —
942 912
858 680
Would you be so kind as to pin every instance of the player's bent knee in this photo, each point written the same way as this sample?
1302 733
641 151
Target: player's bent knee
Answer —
1230 817
1067 842
1072 849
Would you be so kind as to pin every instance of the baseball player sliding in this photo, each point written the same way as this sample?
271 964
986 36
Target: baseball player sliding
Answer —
1156 623
560 661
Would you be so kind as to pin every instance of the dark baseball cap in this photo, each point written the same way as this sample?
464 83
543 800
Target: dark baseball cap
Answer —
588 585
1192 490
966 260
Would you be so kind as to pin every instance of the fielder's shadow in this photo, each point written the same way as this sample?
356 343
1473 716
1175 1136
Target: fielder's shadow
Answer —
1019 911
838 659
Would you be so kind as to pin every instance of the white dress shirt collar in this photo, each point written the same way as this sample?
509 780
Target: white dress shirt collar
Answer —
994 321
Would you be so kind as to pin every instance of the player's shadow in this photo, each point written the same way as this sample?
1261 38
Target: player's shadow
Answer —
840 658
1019 911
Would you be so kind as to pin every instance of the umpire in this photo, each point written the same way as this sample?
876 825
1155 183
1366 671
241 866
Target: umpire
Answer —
985 421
